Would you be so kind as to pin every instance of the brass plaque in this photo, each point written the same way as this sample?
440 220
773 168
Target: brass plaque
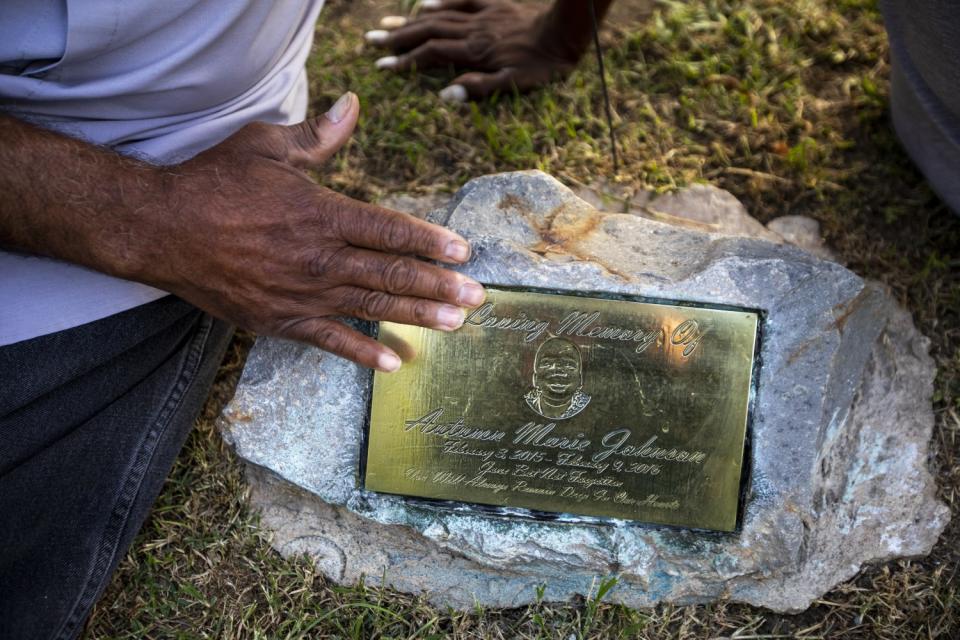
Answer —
568 404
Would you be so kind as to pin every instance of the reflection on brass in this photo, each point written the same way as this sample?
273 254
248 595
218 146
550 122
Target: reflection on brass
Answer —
567 404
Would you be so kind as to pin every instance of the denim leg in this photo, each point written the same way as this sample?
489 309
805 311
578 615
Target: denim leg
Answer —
91 420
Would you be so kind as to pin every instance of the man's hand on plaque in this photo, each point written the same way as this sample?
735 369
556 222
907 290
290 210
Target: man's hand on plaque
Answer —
505 45
252 239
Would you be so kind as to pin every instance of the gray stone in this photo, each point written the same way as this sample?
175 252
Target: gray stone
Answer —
418 205
704 208
802 232
842 422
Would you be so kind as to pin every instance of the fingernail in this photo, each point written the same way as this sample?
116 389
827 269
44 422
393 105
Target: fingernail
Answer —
388 362
458 251
454 93
392 22
340 108
431 4
377 36
471 295
450 317
386 62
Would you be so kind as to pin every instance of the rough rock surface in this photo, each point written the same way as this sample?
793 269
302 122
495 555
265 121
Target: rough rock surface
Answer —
842 422
415 205
701 207
706 207
803 232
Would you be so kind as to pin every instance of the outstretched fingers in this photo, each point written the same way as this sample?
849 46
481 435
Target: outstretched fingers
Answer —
432 54
477 85
403 275
367 304
416 33
339 339
371 227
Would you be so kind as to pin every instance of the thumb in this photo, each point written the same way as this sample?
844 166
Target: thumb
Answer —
313 141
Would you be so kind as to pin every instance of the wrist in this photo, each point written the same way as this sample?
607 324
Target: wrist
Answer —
92 207
561 40
133 236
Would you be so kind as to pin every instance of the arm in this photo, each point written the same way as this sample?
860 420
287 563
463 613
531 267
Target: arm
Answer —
63 198
240 231
507 45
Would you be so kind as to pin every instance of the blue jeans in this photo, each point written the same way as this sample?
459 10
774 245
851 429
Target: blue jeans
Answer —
91 420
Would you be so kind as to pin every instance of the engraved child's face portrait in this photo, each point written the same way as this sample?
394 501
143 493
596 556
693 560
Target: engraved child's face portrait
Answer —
557 380
557 368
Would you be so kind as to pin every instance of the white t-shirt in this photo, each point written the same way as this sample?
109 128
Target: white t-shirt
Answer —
159 80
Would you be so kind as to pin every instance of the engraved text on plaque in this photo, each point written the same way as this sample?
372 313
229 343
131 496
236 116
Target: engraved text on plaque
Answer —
569 404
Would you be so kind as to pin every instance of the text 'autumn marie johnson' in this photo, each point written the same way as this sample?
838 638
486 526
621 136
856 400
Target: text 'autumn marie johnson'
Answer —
533 434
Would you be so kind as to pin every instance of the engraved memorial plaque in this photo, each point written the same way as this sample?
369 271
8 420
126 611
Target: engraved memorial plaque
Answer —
570 404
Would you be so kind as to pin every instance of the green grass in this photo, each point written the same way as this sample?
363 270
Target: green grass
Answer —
782 103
